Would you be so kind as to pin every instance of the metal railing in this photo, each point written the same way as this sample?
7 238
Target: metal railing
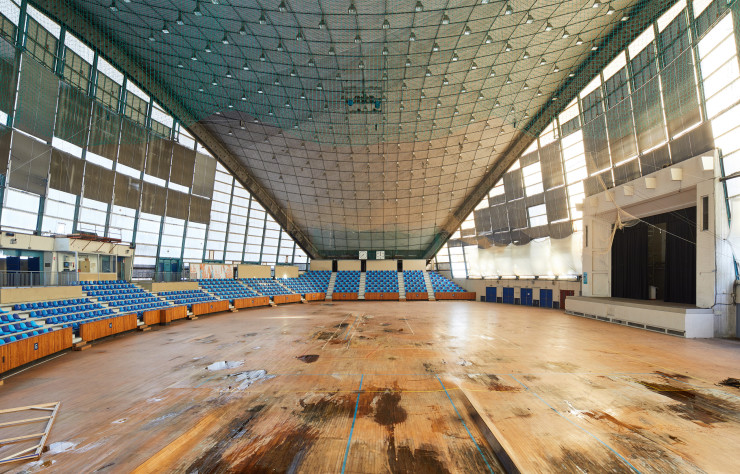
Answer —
17 278
150 274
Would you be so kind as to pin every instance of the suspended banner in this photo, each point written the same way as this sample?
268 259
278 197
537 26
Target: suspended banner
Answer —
542 257
211 270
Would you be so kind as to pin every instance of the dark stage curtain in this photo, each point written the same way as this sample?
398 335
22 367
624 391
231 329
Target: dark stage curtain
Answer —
680 257
629 262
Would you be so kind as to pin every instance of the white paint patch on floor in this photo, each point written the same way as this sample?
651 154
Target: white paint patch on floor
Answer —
225 364
246 379
61 446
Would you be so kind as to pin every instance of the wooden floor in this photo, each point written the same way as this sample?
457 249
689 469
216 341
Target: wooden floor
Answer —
388 387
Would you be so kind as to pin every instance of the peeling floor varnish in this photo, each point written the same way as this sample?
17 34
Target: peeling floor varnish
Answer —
388 387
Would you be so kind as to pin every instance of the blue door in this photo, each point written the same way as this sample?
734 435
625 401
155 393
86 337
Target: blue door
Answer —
546 298
490 294
509 295
526 296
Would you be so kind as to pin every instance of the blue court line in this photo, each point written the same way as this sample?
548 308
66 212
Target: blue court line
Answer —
576 425
350 327
357 405
466 426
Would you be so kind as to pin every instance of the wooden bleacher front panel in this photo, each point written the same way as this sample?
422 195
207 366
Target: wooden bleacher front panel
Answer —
466 295
381 296
107 327
251 302
343 296
283 299
151 317
417 296
174 313
315 296
210 307
15 354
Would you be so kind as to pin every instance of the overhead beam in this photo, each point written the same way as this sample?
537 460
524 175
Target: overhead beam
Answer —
96 38
641 16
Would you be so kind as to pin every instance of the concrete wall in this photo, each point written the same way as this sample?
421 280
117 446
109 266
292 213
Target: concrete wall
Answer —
286 271
347 265
168 286
254 271
321 265
377 265
96 276
42 293
414 264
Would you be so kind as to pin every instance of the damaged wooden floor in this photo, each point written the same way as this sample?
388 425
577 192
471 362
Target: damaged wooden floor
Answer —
388 387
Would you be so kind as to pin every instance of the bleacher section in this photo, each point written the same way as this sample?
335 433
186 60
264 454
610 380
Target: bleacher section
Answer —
187 297
347 282
309 282
267 287
226 289
124 297
443 285
445 289
381 282
414 281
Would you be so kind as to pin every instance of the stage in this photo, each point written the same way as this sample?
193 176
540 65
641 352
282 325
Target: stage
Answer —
675 319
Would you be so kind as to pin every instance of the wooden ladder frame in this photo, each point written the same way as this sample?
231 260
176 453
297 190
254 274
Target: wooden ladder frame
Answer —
37 449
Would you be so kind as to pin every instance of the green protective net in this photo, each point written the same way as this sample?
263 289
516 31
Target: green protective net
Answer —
371 124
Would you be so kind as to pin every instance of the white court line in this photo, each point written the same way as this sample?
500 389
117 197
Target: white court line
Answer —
335 332
407 324
34 365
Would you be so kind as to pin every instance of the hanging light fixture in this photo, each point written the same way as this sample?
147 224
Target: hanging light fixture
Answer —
243 29
245 66
165 30
435 47
352 9
179 20
282 7
386 24
262 19
548 26
225 39
508 10
529 20
322 23
445 19
197 11
467 30
208 48
418 7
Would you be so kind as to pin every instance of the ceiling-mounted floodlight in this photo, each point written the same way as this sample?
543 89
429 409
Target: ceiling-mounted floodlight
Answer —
197 11
610 10
332 52
214 81
208 48
151 36
299 36
579 41
113 6
179 20
165 29
193 57
556 69
352 9
445 81
548 26
507 48
565 34
358 38
263 58
245 66
529 20
322 23
262 20
228 73
525 55
282 7
467 30
385 51
280 47
473 66
243 29
445 19
455 57
508 10
412 36
488 39
225 39
418 7
596 4
386 24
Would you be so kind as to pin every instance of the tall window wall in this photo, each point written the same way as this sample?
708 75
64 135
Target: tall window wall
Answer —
672 94
83 149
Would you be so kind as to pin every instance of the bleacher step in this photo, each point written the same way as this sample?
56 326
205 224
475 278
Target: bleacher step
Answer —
144 328
82 347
